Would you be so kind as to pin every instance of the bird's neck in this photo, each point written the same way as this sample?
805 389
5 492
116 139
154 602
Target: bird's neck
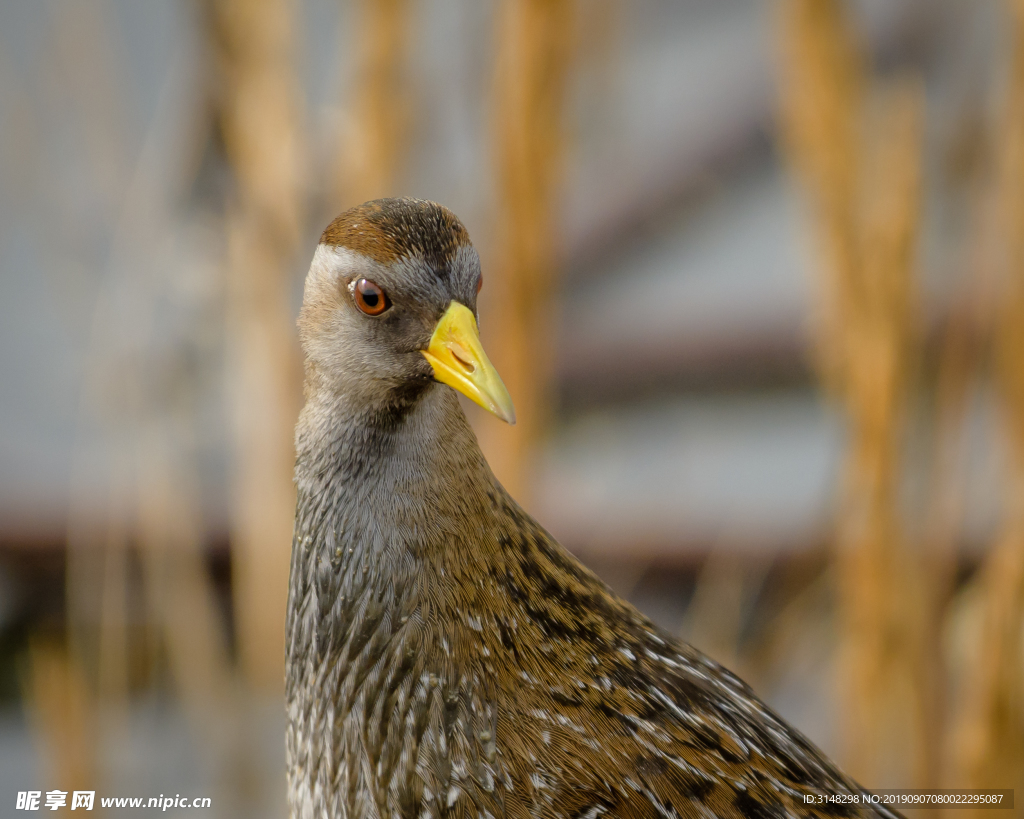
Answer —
386 466
385 497
391 527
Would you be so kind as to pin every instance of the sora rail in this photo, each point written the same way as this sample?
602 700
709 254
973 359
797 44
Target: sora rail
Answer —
446 657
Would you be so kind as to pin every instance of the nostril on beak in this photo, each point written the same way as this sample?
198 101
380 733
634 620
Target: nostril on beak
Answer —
468 366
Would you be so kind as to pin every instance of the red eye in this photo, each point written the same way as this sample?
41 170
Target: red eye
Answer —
370 298
480 283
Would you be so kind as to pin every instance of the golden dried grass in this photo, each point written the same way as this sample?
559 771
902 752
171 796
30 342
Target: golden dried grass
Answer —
62 713
535 51
821 106
990 744
258 115
371 157
860 171
963 348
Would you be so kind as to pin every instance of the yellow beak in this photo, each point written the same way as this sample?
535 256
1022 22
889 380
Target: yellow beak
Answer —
459 361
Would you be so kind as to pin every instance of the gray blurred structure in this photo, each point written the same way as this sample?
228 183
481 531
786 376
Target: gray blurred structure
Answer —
684 251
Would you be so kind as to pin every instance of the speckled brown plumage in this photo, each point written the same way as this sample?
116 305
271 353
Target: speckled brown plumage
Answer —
446 657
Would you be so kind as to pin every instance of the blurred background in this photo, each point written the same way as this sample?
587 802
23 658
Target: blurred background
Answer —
754 275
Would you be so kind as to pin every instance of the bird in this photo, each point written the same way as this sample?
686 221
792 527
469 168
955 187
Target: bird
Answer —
445 655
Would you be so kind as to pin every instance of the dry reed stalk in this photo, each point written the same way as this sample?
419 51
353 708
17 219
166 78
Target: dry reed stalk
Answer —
258 112
62 714
725 592
90 60
786 642
371 156
882 607
961 356
991 745
178 590
865 199
598 50
186 624
88 80
97 584
113 634
535 52
112 512
822 102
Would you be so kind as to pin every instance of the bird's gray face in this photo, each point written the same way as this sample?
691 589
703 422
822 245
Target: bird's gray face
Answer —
380 331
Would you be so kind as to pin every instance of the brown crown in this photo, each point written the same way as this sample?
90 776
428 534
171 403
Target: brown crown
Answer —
390 229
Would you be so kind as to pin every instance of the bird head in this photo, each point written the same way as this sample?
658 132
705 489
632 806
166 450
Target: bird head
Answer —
389 308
